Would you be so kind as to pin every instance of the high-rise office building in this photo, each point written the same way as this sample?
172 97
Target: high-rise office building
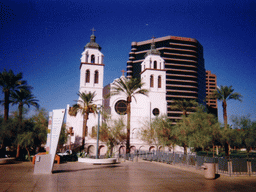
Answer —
184 65
211 85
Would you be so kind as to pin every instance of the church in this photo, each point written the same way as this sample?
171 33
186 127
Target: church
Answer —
143 108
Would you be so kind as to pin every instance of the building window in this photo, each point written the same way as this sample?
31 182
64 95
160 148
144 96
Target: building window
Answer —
121 107
87 76
155 65
92 59
151 81
96 77
155 111
159 82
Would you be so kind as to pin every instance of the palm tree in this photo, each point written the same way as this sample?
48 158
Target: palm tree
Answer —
184 105
22 97
85 106
223 94
10 82
130 87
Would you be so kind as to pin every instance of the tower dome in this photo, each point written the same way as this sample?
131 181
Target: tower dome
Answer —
92 43
153 50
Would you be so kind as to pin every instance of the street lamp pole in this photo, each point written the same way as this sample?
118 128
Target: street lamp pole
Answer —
98 130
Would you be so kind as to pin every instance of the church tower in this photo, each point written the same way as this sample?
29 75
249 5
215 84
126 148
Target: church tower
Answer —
92 69
91 80
153 75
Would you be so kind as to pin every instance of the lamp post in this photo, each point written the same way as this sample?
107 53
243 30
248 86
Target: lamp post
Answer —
98 130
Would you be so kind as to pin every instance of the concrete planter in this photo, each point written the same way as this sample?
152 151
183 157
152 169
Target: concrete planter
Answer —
7 160
97 161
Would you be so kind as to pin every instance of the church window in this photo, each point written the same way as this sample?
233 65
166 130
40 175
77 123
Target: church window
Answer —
87 56
92 59
151 81
155 65
87 76
159 82
155 111
96 77
121 107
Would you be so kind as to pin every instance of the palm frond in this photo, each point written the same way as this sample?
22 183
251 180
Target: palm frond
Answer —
235 96
130 87
85 104
226 93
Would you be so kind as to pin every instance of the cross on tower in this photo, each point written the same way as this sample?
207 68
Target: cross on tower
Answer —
123 71
153 38
93 30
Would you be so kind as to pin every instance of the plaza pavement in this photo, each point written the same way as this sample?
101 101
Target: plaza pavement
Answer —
125 176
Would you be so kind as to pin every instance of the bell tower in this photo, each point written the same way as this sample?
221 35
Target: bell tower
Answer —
92 69
153 75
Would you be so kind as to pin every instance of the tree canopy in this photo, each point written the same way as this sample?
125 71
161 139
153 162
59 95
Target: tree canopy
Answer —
184 105
10 82
225 93
112 132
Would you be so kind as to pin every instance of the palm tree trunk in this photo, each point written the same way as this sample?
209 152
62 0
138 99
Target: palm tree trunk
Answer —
86 116
6 104
20 112
20 107
128 125
185 149
18 151
225 117
213 149
226 146
224 105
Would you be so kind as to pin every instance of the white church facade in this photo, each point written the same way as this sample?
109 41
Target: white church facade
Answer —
143 109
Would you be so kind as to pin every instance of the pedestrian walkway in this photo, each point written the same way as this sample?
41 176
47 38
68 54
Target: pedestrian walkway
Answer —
126 176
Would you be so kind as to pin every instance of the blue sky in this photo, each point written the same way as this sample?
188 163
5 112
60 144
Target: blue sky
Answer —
44 40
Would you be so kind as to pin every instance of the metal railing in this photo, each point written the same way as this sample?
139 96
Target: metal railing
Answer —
232 166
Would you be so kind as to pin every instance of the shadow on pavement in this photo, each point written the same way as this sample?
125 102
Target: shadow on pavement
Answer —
217 176
76 170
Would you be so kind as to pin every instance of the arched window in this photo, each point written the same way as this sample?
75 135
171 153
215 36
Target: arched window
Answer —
159 82
155 65
96 77
92 59
151 81
87 56
87 76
